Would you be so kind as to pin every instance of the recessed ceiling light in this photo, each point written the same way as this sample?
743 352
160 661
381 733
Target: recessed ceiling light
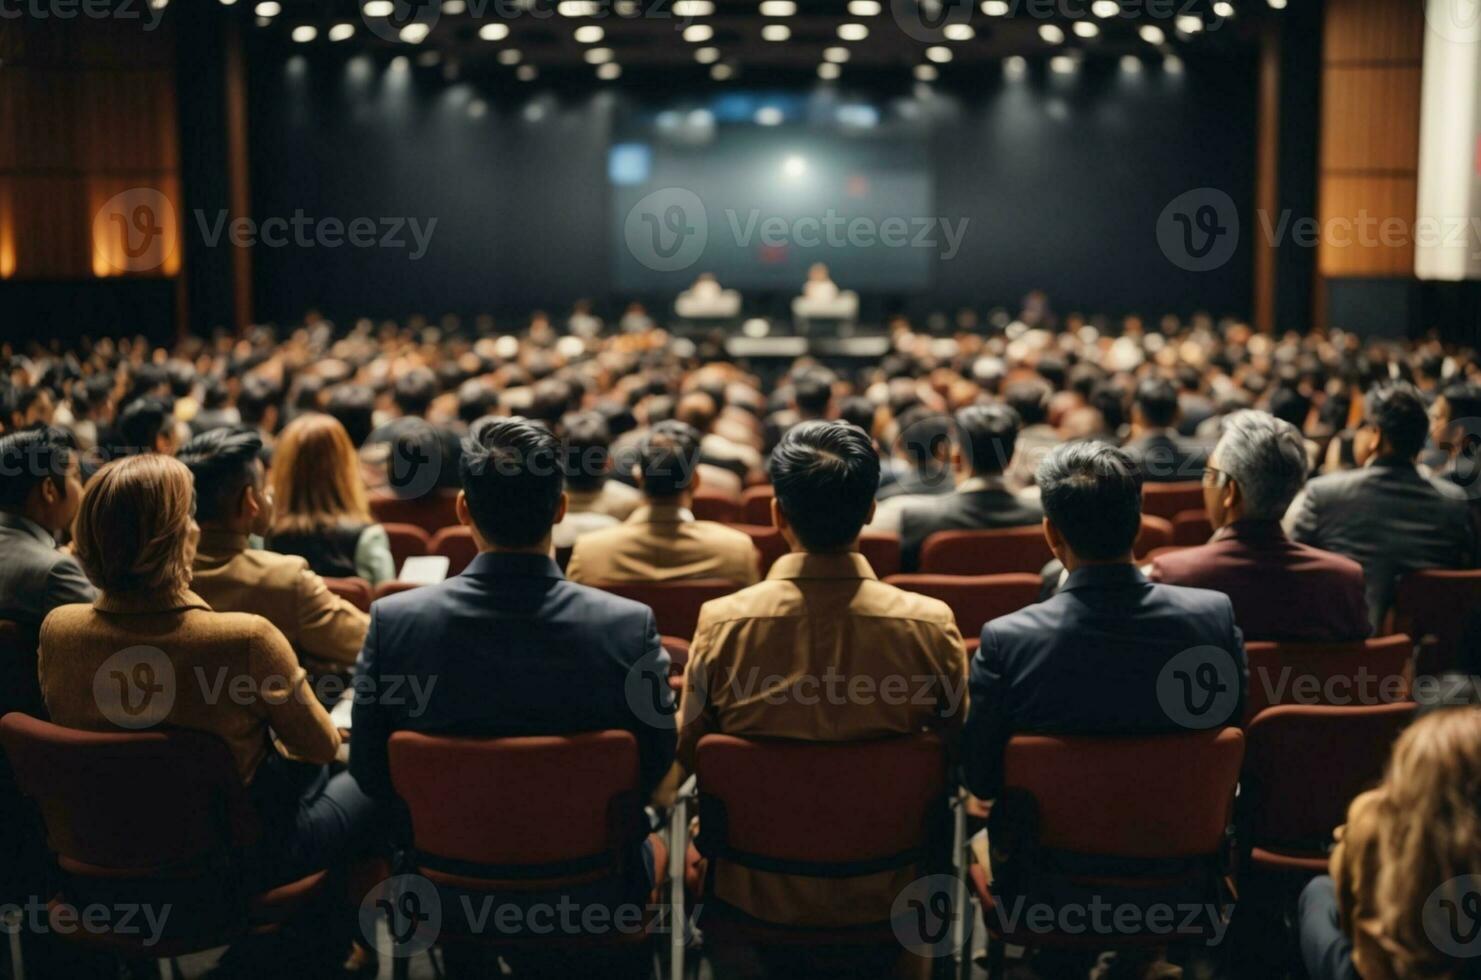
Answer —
778 8
588 34
526 73
304 33
1051 33
268 8
609 71
698 33
1224 9
598 56
829 70
414 33
1062 64
1105 8
578 8
864 8
1084 28
940 55
341 32
378 8
454 7
1189 23
721 73
1151 34
693 8
776 32
1277 4
836 55
958 32
996 8
706 56
853 32
494 32
227 3
926 73
509 56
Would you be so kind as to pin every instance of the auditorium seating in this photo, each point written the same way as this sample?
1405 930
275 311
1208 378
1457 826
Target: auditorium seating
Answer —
1327 673
1191 528
1017 549
675 604
770 545
975 599
407 541
456 544
1157 532
715 505
1167 500
430 511
756 504
882 551
393 587
355 590
1436 603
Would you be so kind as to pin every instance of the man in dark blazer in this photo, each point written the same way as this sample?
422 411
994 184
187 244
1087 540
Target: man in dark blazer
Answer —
1282 590
984 441
1386 515
1111 653
1159 452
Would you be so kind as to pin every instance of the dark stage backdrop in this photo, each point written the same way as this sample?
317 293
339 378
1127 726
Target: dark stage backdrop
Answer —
1061 180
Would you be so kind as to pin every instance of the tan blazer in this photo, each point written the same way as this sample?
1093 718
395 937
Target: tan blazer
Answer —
181 665
283 590
662 544
615 499
821 651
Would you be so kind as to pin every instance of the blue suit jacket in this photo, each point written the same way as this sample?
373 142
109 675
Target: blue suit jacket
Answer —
509 648
1111 653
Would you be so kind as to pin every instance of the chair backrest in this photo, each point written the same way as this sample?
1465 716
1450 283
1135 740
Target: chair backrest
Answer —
1436 603
129 804
19 688
407 541
675 604
456 544
1328 673
882 551
715 505
844 802
1305 763
393 587
431 511
975 599
755 505
1167 500
356 591
518 802
1156 532
1191 528
770 545
998 552
1154 796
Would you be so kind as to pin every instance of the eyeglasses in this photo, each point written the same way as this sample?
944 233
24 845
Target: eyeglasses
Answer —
1214 477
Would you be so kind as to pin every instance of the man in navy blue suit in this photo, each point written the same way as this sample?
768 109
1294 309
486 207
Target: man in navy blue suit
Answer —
1111 653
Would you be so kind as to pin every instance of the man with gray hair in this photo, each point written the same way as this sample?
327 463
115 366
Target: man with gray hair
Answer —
1282 590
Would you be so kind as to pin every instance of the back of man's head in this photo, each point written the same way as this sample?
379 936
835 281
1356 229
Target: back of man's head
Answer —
587 445
667 456
257 396
512 479
476 398
1398 411
924 437
1266 456
354 407
1092 494
825 475
1463 403
415 391
223 463
29 456
1157 401
1030 399
986 435
140 424
812 390
697 409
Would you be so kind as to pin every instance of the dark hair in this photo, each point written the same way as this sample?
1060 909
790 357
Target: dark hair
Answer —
812 390
223 463
29 456
1399 412
258 394
667 456
475 400
511 471
986 435
1464 401
1289 405
354 407
857 410
414 391
1092 493
140 424
1030 399
588 440
923 434
825 475
1158 401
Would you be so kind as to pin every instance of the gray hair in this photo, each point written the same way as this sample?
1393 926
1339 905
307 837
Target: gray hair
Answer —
1266 456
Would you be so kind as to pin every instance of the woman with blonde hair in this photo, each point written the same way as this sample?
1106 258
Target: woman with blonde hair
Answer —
322 512
1404 898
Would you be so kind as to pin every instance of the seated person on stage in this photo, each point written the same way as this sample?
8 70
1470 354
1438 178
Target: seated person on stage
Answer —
1386 515
1087 660
819 286
1281 590
1162 455
1400 901
661 541
232 503
982 450
820 613
594 501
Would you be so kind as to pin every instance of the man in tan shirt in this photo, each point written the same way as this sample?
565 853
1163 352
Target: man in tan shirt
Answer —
231 503
661 541
823 652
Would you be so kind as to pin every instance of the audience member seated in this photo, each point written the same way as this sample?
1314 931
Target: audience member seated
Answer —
661 541
232 504
146 425
982 449
1089 659
414 456
1030 399
594 501
320 508
923 451
1282 591
40 488
1456 431
1159 452
1386 515
716 452
706 300
1400 901
820 622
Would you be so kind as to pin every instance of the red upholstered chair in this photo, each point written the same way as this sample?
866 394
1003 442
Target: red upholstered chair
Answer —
149 819
524 820
755 505
675 604
770 544
356 591
882 551
1436 603
1303 766
1328 673
430 512
1191 528
1015 549
407 541
1163 803
1156 533
1167 500
715 505
456 545
393 587
975 599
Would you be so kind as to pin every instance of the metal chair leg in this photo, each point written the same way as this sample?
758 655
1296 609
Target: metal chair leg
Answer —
961 924
678 855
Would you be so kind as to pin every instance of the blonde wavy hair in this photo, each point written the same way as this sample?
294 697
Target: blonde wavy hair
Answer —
135 530
316 477
1428 829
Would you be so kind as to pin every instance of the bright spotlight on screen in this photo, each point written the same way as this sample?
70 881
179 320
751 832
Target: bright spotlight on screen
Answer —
1152 34
794 167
